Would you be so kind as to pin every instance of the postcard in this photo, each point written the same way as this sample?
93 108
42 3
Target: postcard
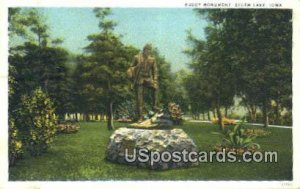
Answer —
152 94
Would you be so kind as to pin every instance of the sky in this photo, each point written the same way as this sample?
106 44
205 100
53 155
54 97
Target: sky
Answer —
164 28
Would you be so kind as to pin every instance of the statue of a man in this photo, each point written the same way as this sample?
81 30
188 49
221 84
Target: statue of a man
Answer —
144 74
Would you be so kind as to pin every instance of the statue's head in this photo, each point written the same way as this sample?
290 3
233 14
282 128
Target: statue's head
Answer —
147 50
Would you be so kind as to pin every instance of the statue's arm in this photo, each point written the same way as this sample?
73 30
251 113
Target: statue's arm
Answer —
135 61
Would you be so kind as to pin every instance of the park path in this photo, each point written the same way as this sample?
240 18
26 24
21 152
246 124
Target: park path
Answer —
255 124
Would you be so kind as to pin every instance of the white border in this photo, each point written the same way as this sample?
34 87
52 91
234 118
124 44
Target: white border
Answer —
4 183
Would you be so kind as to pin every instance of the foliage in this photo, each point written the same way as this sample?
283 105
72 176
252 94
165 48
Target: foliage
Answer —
175 113
238 140
105 65
126 110
14 142
257 132
234 116
287 118
42 67
211 76
226 121
36 63
36 121
67 128
245 53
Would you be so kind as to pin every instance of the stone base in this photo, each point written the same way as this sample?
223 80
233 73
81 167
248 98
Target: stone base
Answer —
149 142
157 120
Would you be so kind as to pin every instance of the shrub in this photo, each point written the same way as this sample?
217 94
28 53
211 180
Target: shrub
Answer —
67 128
15 144
126 110
225 121
37 121
175 113
234 116
237 140
287 118
257 132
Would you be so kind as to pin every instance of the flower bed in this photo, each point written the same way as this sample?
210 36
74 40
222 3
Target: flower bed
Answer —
237 140
257 132
67 128
238 150
225 121
175 113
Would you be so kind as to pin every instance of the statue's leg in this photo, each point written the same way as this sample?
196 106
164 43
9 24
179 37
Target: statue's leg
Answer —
155 99
140 101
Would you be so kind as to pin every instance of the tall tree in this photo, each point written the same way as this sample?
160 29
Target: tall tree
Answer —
210 65
37 63
257 47
106 64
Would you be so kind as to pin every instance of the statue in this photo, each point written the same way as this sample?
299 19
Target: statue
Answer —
143 73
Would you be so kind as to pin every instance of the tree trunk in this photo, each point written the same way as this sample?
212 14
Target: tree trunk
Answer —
277 113
214 113
110 125
219 114
194 117
252 112
76 116
254 116
226 111
208 116
265 113
203 116
220 120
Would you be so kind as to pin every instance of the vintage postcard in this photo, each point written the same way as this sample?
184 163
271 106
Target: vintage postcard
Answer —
181 94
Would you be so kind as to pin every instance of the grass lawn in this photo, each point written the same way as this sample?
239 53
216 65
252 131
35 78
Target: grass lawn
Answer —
81 156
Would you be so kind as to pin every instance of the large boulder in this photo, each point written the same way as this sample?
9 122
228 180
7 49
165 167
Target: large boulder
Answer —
131 146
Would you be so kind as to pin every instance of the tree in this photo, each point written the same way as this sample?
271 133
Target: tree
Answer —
37 71
215 82
180 95
37 63
257 48
106 64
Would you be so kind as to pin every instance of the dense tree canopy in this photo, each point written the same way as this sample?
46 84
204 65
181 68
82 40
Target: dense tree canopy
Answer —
246 53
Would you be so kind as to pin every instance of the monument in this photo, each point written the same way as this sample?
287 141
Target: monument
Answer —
143 73
148 135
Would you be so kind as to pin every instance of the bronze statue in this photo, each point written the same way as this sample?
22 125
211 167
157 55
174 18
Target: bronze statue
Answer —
143 73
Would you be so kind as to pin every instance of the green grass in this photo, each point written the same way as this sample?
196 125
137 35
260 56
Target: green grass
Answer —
81 156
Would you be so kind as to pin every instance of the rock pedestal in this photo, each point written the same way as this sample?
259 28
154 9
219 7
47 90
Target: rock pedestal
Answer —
126 143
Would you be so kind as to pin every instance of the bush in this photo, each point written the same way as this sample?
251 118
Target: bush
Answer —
225 121
234 116
257 132
237 140
287 118
67 128
15 144
175 113
37 121
126 110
